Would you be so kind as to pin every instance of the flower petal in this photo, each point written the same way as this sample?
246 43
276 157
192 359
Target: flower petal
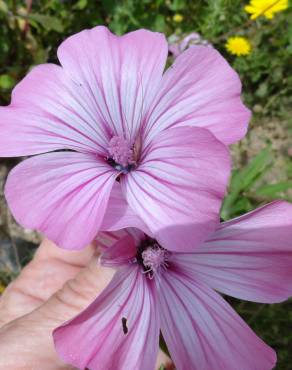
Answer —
178 187
200 89
119 214
122 73
120 253
119 330
105 239
249 257
50 111
202 332
63 194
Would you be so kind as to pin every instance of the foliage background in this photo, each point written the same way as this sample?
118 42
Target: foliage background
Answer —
30 32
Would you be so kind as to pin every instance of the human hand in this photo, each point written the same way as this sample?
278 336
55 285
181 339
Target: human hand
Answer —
54 287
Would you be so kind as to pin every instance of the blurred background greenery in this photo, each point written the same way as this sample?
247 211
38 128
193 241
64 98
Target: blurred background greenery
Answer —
30 32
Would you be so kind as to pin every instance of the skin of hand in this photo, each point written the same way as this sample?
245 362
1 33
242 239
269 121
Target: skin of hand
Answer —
54 287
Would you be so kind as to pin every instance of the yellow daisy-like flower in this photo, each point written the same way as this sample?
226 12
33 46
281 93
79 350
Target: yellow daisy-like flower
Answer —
178 18
268 8
237 45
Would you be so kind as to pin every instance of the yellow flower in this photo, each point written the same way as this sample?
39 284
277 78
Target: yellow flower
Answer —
178 18
238 45
268 8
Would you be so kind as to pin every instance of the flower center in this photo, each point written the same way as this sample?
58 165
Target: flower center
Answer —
152 257
121 154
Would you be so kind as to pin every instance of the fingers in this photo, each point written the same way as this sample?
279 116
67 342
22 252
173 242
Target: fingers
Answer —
31 335
43 276
77 293
164 360
49 251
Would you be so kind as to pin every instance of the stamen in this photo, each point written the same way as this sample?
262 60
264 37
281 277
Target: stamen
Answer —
154 259
121 151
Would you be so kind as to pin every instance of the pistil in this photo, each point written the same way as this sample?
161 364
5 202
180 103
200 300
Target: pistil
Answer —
121 154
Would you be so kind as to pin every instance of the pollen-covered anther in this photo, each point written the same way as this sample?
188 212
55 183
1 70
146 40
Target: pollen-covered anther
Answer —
121 151
154 259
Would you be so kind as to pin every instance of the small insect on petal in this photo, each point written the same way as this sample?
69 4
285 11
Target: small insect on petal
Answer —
124 325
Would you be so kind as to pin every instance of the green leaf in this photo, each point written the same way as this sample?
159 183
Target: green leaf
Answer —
109 5
6 81
80 5
159 23
274 190
177 5
242 205
255 169
244 179
48 22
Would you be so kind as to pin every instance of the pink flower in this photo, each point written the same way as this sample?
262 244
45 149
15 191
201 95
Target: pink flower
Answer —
153 289
107 113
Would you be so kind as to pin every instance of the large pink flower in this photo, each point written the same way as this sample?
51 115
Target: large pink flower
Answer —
107 113
154 289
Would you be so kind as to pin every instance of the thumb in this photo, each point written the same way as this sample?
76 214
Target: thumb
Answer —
26 343
77 293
